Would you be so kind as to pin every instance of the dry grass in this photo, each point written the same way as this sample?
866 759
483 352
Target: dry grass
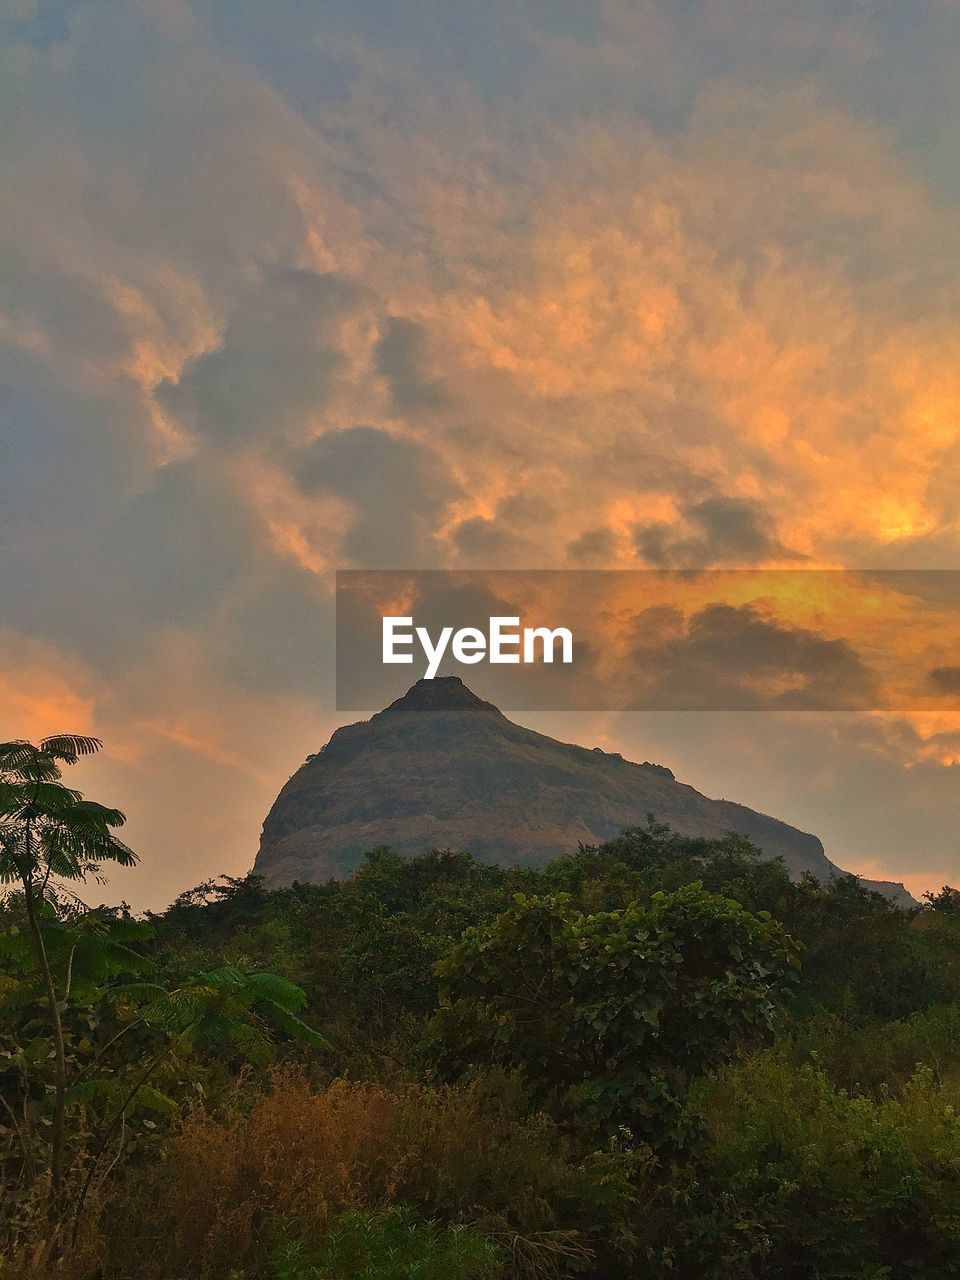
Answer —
228 1186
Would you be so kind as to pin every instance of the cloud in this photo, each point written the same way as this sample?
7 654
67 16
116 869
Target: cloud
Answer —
401 358
594 548
607 285
945 679
276 365
725 657
834 775
276 634
488 543
398 489
727 531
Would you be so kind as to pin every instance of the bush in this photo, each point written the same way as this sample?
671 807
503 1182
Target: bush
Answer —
800 1179
229 1187
865 1055
613 1015
390 1244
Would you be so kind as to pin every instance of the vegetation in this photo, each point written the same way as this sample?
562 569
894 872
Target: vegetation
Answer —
657 1057
610 1017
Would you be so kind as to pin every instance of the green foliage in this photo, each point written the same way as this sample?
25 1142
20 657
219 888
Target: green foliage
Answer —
88 947
614 1013
612 1115
226 1006
946 900
50 834
871 1056
390 1244
48 830
76 1043
800 1179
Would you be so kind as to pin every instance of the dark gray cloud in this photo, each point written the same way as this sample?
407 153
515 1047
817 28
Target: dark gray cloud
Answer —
401 358
728 657
593 549
67 452
277 362
487 542
398 487
276 633
883 61
724 531
184 544
945 679
526 508
161 555
734 527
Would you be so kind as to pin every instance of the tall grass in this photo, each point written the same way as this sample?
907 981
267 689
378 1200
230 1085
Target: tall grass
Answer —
231 1188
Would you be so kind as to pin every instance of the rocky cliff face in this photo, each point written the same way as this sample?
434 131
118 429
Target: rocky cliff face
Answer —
441 768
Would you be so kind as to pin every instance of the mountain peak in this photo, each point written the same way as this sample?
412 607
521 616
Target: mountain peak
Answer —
443 693
471 779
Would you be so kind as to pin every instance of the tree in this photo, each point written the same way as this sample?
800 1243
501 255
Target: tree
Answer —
67 961
48 834
219 1007
946 901
612 1014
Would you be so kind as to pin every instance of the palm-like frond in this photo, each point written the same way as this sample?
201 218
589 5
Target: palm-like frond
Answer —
122 854
148 991
93 947
27 761
116 1092
61 863
97 814
10 788
296 1028
225 1005
47 829
38 799
226 978
278 991
69 851
124 929
10 872
103 958
16 752
17 947
69 747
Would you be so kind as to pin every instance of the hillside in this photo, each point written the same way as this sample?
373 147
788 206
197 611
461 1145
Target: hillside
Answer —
442 768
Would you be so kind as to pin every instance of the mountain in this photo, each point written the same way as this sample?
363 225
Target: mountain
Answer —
441 768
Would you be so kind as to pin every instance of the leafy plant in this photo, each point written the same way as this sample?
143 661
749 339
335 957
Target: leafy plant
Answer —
614 1014
64 970
390 1244
796 1178
49 833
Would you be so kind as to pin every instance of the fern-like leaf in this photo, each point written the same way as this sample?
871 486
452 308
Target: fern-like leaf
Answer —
69 747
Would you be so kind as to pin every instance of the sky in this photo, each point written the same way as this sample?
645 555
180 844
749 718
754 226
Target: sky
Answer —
295 287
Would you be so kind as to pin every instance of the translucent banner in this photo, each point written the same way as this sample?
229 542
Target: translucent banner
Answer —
708 640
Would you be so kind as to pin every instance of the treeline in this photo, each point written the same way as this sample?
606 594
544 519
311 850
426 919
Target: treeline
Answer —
658 1056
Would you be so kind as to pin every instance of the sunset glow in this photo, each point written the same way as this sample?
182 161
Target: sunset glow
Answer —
610 286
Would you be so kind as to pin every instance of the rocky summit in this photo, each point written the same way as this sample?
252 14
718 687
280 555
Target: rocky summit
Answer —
440 768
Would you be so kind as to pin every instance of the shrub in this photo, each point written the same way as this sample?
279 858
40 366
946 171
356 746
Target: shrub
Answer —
390 1244
470 1156
866 1055
801 1179
613 1014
